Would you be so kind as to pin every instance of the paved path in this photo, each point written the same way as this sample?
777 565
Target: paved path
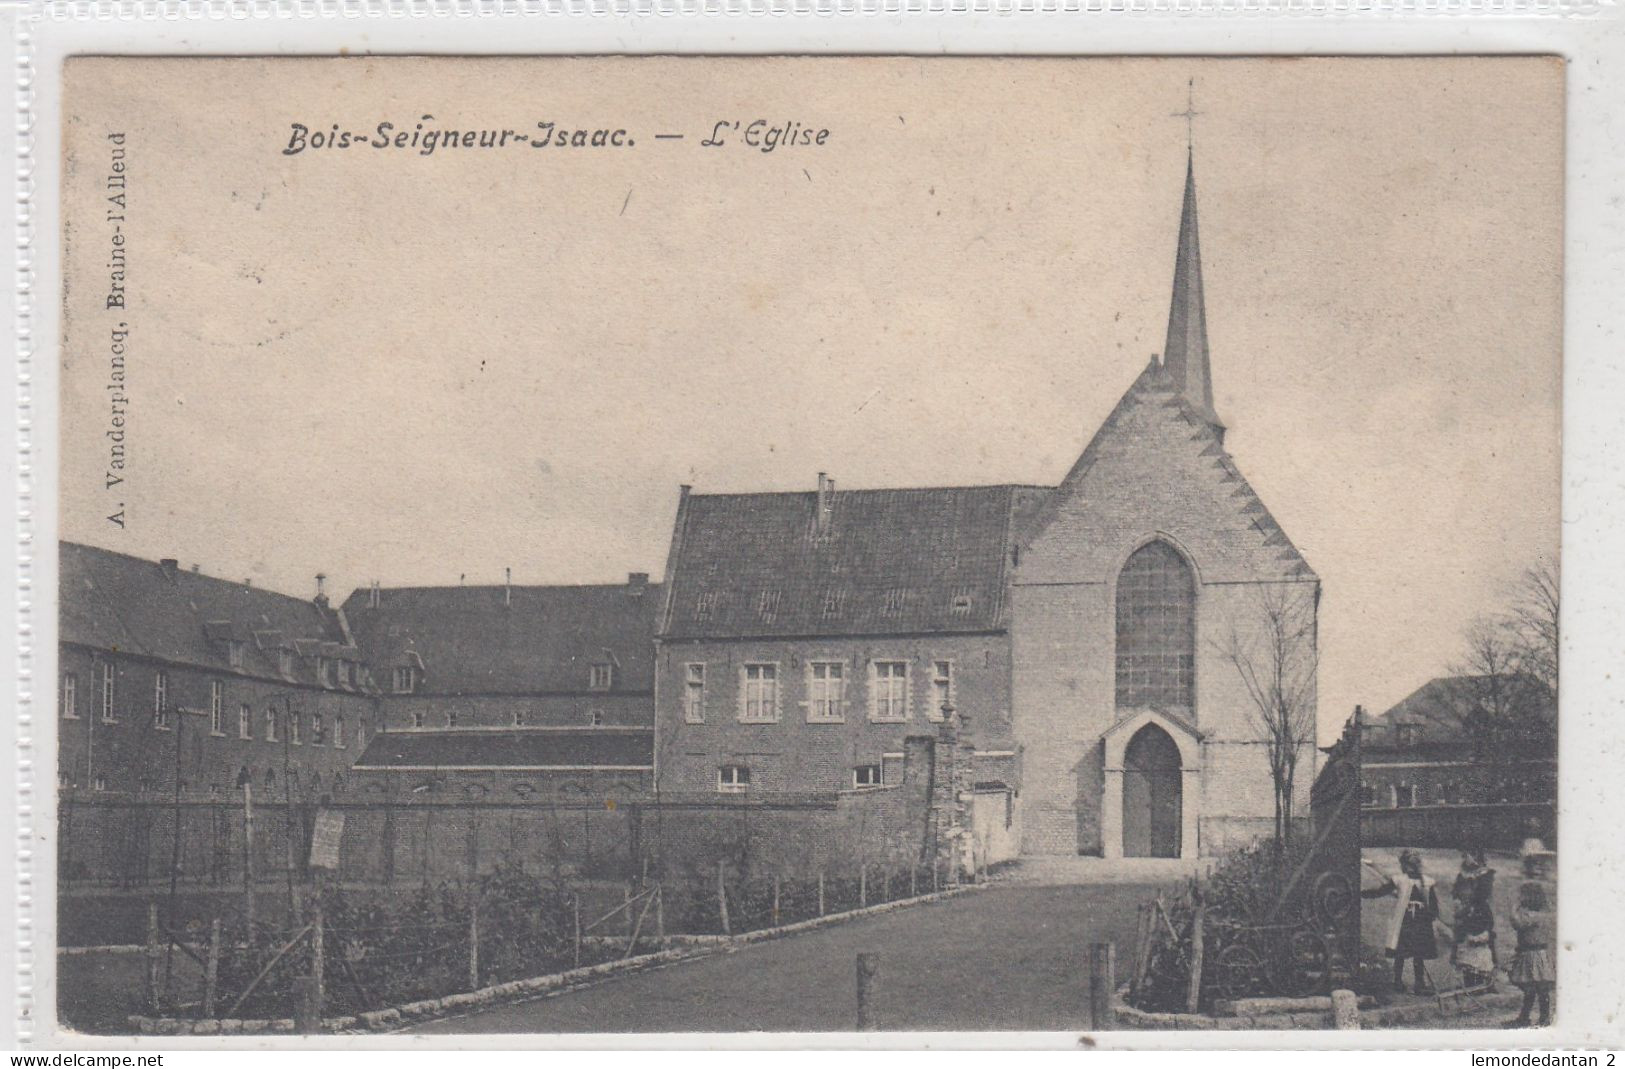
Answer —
1005 957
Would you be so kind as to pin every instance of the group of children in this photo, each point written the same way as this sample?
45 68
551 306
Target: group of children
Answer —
1472 928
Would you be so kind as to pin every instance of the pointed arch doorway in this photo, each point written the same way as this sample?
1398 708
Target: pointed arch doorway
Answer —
1152 789
1151 793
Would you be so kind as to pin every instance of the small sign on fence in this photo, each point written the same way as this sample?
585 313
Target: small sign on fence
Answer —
325 839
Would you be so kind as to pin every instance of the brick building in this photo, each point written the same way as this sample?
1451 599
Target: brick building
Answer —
806 635
176 681
511 690
1422 752
1077 629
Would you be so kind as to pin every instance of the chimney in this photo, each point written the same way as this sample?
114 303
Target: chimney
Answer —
170 565
321 589
373 595
637 583
507 586
826 503
195 567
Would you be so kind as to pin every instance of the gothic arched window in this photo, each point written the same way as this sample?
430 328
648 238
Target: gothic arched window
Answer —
1156 630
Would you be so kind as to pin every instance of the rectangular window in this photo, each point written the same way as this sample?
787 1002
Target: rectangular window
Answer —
234 654
866 776
217 707
417 720
733 779
761 693
318 730
405 680
451 718
107 693
101 782
888 699
1404 795
826 690
160 702
942 687
284 662
70 696
293 727
518 718
597 717
245 722
361 735
270 725
601 676
694 693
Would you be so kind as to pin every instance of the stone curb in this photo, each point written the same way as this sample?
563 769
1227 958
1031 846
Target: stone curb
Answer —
397 1017
1449 1004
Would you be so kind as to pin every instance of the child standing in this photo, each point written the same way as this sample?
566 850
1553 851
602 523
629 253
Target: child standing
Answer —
1410 927
1474 920
1532 966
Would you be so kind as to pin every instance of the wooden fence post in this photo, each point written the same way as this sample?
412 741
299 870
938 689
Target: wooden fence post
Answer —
474 942
868 984
1193 995
660 914
155 954
1102 966
577 898
211 972
775 900
722 897
934 886
863 886
913 879
820 894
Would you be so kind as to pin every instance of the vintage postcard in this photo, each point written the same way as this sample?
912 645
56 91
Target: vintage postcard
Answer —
810 524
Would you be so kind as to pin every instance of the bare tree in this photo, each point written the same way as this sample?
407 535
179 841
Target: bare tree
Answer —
1507 688
1278 661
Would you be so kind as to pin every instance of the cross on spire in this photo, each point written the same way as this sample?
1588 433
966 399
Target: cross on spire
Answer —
1189 115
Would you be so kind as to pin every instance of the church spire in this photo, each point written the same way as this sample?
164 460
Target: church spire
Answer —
1185 356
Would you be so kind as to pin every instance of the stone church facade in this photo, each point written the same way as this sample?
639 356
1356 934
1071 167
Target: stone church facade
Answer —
1150 563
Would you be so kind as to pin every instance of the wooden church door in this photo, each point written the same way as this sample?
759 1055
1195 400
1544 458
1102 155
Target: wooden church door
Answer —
1152 798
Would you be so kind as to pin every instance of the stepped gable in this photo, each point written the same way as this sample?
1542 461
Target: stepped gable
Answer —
1158 463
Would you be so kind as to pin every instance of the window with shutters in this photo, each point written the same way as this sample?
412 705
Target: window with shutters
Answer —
1156 630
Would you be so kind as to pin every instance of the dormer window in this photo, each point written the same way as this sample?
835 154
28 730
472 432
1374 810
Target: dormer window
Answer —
322 664
234 653
601 676
284 662
406 680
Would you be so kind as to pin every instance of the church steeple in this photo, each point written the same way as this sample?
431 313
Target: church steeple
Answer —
1185 356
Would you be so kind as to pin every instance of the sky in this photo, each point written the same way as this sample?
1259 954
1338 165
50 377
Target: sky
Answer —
425 369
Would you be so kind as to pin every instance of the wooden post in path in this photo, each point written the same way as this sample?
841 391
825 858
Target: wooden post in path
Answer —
577 897
913 879
722 897
474 941
820 894
775 900
1193 996
211 972
155 955
868 986
863 886
1102 969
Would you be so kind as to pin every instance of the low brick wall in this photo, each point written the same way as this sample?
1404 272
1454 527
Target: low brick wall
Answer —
1449 1004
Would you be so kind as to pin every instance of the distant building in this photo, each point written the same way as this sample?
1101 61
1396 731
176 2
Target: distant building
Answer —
1423 751
172 681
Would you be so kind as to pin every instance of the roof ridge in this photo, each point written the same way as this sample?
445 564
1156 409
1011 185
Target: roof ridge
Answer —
191 576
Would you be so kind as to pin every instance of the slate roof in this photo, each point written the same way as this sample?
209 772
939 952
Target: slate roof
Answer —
1436 710
534 748
113 601
888 562
519 640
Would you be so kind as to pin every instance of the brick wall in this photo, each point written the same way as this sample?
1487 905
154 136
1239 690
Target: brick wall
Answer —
132 754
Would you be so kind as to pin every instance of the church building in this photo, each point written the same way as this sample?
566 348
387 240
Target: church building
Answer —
1087 633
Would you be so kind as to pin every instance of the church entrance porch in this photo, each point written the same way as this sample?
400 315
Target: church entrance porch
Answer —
1151 795
1151 788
